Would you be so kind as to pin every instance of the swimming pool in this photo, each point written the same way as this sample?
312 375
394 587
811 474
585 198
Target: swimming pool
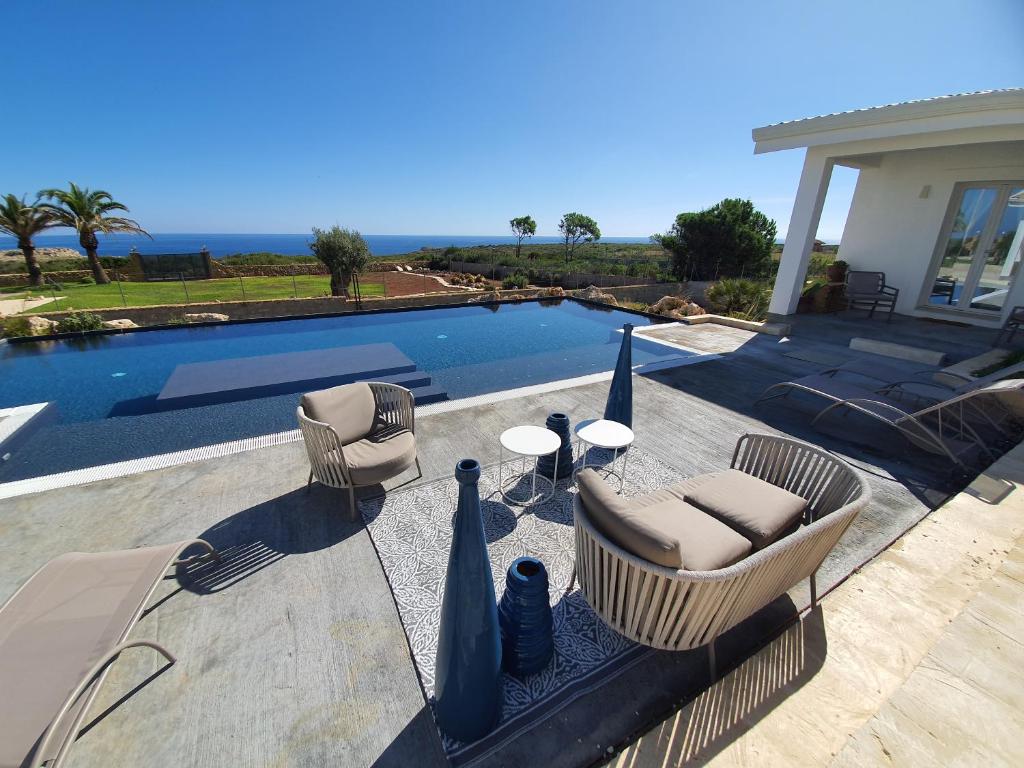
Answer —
108 389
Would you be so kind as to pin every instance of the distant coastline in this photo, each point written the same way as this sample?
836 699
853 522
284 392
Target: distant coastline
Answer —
221 245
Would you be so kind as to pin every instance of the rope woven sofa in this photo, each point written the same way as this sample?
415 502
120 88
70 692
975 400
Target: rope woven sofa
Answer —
676 609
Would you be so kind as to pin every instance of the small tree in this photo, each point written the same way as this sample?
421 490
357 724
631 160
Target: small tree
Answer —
24 221
522 227
344 252
730 239
577 228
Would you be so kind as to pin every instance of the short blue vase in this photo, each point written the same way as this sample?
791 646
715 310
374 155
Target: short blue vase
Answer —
467 672
559 424
527 641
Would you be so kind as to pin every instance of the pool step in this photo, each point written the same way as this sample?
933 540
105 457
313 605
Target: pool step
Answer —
429 394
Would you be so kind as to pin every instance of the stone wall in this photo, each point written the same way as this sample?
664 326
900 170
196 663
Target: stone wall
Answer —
21 278
649 294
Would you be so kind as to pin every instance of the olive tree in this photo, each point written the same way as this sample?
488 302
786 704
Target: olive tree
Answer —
522 227
344 252
577 228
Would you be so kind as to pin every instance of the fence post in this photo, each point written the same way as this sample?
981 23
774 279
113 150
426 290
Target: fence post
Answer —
181 275
117 276
53 292
295 287
241 282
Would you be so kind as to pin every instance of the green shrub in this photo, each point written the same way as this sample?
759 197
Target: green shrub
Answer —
264 258
80 321
518 280
16 325
743 299
86 280
819 263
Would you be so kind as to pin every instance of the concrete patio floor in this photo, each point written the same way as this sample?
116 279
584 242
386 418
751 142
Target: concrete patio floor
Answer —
293 654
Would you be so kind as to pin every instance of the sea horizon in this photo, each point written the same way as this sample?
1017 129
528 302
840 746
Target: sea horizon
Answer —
288 244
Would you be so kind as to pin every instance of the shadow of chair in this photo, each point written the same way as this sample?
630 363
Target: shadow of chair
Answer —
260 536
737 702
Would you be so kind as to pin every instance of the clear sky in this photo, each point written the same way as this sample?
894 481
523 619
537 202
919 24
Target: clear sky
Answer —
452 117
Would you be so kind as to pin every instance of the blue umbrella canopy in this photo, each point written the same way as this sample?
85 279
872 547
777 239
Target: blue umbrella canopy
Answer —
620 396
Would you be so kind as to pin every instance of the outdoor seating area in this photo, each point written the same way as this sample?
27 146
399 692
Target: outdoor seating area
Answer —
662 550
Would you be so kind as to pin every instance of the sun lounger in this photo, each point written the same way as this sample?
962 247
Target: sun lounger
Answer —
939 426
59 635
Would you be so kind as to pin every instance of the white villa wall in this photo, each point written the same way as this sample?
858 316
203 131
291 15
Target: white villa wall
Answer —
893 229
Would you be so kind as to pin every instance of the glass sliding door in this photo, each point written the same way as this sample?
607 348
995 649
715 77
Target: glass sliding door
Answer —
981 250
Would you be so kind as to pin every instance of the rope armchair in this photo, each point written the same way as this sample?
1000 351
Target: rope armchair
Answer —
680 610
367 435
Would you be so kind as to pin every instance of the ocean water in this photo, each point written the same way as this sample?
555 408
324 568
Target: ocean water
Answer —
221 245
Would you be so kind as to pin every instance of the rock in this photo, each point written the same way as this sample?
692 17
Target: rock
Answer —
205 317
555 291
677 307
40 326
593 293
120 323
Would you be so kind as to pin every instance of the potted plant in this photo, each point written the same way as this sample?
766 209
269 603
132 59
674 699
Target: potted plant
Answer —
836 271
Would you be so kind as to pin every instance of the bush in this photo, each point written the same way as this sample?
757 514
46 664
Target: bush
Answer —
818 264
80 321
743 299
86 280
518 280
265 258
16 326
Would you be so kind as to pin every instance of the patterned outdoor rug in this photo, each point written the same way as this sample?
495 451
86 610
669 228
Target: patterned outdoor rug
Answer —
412 532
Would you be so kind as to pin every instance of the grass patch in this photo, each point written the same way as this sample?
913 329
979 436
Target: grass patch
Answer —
1011 359
77 296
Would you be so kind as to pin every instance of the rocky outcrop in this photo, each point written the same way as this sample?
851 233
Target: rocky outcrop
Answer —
40 326
205 317
122 322
593 293
677 307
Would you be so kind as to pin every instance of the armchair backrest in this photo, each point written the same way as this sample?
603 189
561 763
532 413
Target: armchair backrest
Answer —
350 409
864 282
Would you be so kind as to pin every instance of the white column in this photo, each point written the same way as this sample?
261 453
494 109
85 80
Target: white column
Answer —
803 226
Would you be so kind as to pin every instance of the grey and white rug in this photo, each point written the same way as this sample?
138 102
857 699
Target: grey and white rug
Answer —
412 530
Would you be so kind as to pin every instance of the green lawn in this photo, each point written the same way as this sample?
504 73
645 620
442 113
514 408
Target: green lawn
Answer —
78 296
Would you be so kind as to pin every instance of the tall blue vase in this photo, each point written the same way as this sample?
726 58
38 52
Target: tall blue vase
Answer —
467 672
620 396
559 424
527 639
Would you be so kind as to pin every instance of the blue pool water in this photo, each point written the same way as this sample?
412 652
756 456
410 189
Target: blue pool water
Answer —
104 386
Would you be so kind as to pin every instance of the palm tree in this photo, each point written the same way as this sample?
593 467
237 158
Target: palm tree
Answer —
24 221
86 211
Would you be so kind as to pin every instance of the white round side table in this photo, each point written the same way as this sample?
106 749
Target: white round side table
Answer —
527 442
610 435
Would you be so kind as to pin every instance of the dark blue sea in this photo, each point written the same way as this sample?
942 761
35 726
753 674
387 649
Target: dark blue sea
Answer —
221 245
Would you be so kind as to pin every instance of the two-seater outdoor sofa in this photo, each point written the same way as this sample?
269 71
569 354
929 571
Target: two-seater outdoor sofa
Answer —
678 567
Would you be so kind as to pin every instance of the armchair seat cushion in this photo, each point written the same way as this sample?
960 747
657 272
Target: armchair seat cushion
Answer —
758 510
350 409
671 533
870 296
380 456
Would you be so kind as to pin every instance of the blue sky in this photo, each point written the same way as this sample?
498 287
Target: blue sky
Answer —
450 118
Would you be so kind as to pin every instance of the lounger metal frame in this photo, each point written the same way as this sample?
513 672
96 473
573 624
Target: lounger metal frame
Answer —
93 680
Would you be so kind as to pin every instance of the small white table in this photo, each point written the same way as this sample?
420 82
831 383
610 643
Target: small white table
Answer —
527 442
610 435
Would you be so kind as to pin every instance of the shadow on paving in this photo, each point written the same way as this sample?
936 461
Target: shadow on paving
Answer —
298 522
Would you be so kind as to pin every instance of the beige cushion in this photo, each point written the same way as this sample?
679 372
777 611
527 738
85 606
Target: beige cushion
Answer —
381 456
671 533
350 409
759 510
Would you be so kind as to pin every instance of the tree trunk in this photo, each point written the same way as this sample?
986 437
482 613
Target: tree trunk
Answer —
519 245
35 272
88 241
339 284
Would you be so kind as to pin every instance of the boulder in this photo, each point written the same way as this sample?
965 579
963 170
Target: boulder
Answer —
677 307
120 323
40 326
555 291
205 317
593 293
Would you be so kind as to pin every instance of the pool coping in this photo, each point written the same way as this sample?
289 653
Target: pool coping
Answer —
114 470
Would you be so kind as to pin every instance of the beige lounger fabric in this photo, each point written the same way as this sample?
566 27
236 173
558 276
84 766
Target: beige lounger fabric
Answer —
760 511
350 409
669 532
57 626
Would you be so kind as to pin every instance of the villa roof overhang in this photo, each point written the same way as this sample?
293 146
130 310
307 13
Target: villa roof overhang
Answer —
964 118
